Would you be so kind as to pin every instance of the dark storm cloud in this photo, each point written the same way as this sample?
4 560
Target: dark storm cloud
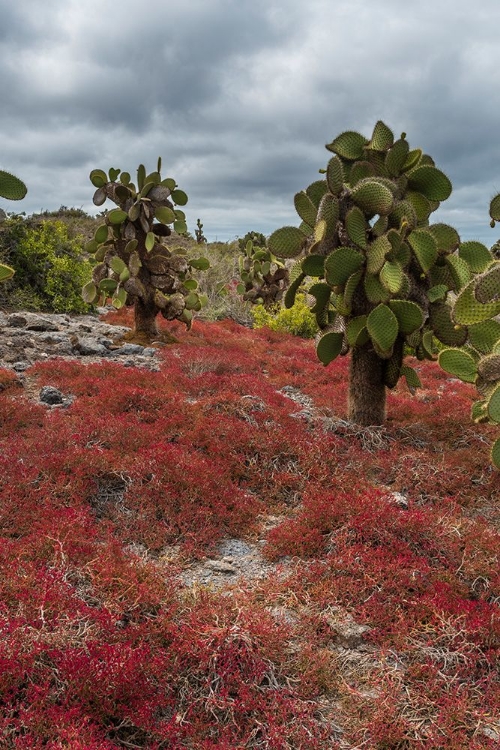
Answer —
240 97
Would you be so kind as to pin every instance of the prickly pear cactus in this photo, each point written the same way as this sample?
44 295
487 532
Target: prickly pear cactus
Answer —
263 277
385 277
134 266
13 189
198 232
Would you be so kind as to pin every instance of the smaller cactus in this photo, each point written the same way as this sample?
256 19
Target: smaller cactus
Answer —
263 278
200 237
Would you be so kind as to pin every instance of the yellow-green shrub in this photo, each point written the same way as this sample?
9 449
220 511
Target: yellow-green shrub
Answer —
297 320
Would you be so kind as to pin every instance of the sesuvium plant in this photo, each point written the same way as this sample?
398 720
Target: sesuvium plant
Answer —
263 277
134 266
389 282
13 189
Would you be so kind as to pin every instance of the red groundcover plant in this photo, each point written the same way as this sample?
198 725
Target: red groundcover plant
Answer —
375 622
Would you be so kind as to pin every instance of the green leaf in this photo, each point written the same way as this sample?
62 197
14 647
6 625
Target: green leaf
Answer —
329 347
341 264
119 299
287 242
180 226
314 265
89 293
6 272
117 264
98 178
117 216
149 242
101 234
495 453
494 405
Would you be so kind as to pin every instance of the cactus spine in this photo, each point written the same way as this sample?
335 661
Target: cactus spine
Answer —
387 280
134 266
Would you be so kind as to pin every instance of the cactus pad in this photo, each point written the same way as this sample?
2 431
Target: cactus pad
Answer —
342 263
487 286
476 254
355 224
329 347
440 317
287 242
494 405
467 310
410 316
349 145
483 336
429 181
372 197
489 367
305 208
382 137
458 363
11 187
383 327
495 208
335 175
424 246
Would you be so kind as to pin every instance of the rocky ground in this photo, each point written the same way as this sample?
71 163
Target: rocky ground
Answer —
26 337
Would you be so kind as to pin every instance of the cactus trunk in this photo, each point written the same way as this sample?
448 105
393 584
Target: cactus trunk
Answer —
145 319
367 391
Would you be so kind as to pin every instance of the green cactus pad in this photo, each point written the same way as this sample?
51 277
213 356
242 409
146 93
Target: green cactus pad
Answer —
489 367
316 191
355 224
429 181
291 292
335 177
421 206
495 208
437 293
101 234
372 197
349 145
329 347
447 238
164 214
376 254
117 265
424 246
305 208
328 211
403 255
391 276
483 336
351 286
342 263
11 187
494 405
495 454
410 316
287 242
487 287
383 327
459 364
476 254
412 159
321 293
117 216
6 272
396 157
90 293
382 137
459 270
403 216
314 265
411 377
467 310
374 290
356 331
360 170
98 178
392 367
119 298
440 318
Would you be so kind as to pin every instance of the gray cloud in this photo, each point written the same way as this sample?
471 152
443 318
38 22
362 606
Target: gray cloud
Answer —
239 97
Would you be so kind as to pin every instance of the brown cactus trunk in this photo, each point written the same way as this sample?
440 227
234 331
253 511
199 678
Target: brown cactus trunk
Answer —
145 319
367 392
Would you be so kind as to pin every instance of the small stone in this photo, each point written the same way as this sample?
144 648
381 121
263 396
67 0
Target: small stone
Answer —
17 320
128 349
90 348
149 351
51 395
20 366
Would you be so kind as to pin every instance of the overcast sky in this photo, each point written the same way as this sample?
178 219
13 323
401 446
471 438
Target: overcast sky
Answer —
239 97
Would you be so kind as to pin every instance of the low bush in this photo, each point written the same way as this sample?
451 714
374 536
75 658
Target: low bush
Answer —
297 320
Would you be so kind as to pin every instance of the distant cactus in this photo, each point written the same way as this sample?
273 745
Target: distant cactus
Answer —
200 237
263 277
133 264
13 189
385 277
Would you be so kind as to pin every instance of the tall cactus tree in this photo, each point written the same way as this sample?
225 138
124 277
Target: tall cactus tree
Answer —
385 277
13 189
134 266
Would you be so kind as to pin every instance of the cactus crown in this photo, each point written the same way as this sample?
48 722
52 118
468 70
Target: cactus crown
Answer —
386 277
132 262
263 277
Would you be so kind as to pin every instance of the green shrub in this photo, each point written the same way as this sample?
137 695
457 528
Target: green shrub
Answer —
297 320
50 267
